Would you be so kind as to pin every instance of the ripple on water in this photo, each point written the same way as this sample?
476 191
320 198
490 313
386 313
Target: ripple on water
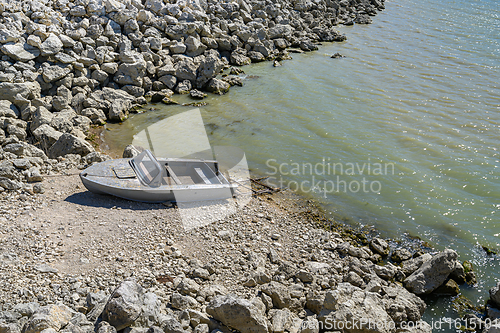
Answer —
418 88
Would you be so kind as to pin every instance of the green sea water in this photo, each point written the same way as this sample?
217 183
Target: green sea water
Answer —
412 113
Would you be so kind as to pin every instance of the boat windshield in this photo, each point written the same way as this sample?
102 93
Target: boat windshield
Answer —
147 168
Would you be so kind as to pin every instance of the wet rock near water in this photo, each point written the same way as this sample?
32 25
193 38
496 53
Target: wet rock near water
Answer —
495 295
432 274
337 56
302 296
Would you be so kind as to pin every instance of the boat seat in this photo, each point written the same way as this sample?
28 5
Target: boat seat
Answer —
202 176
172 174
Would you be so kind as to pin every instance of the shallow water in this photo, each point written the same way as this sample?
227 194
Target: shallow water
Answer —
418 93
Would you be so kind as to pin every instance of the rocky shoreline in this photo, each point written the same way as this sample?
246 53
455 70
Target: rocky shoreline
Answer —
73 262
69 65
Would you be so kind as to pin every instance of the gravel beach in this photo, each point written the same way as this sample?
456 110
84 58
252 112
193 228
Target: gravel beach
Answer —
76 262
273 265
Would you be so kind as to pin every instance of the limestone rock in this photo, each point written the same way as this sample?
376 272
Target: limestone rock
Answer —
280 31
402 305
400 255
380 246
186 69
196 94
46 135
171 325
238 313
209 68
69 144
178 48
7 36
181 302
54 316
39 117
194 47
54 73
119 110
239 58
350 304
51 45
410 266
279 294
95 115
124 305
20 52
432 273
217 86
7 109
449 288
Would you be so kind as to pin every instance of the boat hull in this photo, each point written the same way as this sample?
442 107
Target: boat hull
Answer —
101 179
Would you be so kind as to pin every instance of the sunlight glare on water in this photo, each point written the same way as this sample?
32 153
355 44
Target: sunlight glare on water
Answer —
418 89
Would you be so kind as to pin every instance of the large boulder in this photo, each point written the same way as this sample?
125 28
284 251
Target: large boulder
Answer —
39 117
10 327
51 45
402 305
217 86
54 316
119 110
238 313
170 324
194 47
181 302
125 305
111 95
131 70
280 31
495 295
131 73
185 69
69 144
54 73
210 67
46 135
239 58
10 184
150 312
63 120
279 294
432 274
410 266
380 246
7 36
28 90
132 151
351 309
117 101
7 109
20 52
97 116
8 170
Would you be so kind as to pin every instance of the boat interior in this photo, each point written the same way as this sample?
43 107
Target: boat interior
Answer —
192 173
154 173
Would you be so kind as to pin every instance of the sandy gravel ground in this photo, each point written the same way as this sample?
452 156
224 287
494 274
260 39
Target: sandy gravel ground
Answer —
69 233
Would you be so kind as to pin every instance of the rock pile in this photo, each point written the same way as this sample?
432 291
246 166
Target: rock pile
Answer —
278 295
266 268
66 65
